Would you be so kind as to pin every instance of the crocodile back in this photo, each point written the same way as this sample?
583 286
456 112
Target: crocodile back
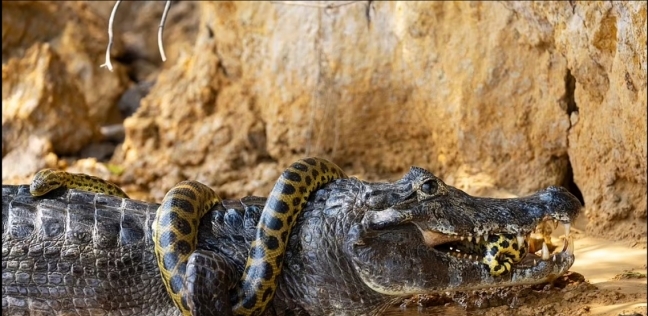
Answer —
59 254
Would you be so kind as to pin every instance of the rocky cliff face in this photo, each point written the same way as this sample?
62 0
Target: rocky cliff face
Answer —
524 95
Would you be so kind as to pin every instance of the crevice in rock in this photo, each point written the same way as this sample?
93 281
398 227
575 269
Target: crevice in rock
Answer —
570 107
569 184
570 88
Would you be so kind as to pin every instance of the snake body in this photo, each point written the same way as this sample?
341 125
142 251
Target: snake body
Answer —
285 202
175 234
501 252
47 180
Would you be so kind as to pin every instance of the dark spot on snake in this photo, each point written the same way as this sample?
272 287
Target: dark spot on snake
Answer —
176 283
268 272
165 217
183 247
186 192
504 244
289 219
299 166
515 246
292 176
296 201
310 161
272 243
167 238
494 250
324 167
181 269
287 189
272 222
278 205
498 267
303 190
267 295
180 204
308 180
181 224
183 302
315 173
170 260
250 301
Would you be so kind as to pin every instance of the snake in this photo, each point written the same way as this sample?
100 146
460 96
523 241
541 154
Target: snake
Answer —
499 252
175 228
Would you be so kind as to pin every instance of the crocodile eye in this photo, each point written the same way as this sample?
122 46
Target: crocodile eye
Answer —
429 187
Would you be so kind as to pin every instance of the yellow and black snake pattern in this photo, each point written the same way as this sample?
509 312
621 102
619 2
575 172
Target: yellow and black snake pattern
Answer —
175 234
501 252
175 229
47 180
284 205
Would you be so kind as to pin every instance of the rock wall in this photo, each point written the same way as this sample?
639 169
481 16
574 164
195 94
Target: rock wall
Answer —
526 94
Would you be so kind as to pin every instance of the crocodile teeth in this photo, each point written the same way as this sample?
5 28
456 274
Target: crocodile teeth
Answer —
486 237
570 246
554 258
545 251
555 222
567 228
478 239
520 239
535 262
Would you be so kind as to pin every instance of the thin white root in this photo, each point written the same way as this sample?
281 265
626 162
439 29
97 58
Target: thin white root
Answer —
161 29
108 64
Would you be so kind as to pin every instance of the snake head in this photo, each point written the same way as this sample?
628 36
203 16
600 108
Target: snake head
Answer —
44 181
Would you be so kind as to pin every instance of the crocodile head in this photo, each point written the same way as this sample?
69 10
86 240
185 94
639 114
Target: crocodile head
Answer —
420 235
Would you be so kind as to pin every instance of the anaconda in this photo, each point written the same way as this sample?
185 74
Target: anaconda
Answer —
356 247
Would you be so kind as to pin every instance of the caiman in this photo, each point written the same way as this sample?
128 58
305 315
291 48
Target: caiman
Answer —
356 248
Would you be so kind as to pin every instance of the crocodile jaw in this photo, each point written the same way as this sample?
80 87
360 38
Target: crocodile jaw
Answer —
409 268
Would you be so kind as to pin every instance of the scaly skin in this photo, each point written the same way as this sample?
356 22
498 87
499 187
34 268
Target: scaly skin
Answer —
175 229
175 234
356 248
285 203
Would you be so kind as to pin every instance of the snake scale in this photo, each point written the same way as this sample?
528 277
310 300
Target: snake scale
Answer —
177 219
